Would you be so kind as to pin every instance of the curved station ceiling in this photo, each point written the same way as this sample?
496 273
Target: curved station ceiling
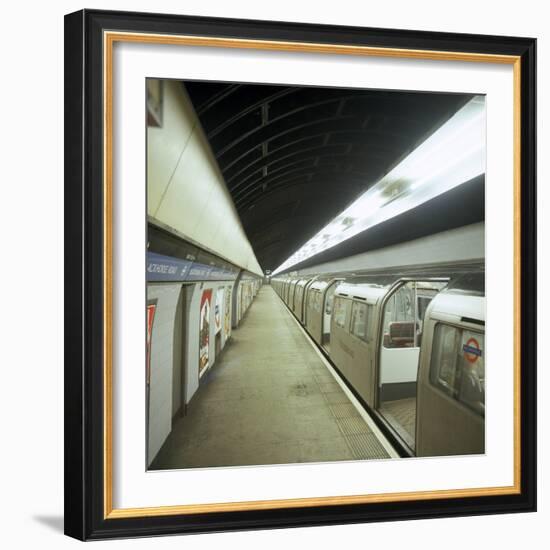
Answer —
294 157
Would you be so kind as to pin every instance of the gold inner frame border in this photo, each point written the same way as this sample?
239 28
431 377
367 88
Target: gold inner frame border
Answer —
109 39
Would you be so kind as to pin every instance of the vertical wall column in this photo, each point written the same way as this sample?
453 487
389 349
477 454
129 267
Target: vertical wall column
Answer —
234 298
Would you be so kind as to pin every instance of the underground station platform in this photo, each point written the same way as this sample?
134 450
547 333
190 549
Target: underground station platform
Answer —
314 294
271 399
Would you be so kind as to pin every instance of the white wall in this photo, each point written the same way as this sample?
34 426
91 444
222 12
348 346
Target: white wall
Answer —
31 466
165 351
162 364
185 189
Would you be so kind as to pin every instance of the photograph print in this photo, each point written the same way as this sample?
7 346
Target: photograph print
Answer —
315 274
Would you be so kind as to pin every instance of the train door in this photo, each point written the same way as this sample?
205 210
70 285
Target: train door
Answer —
297 299
401 335
304 302
291 295
327 315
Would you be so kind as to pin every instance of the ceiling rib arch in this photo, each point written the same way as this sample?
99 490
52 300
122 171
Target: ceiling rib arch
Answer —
309 151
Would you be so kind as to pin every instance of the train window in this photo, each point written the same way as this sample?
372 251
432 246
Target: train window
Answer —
340 312
404 313
400 307
457 365
443 363
315 299
422 305
329 300
399 318
360 319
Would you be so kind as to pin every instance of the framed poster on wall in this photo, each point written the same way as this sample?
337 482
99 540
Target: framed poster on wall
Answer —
204 330
227 314
218 311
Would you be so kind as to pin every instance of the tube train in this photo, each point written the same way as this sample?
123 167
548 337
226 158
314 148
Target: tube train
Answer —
410 344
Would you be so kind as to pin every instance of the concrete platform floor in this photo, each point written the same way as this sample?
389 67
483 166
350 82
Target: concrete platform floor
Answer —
270 399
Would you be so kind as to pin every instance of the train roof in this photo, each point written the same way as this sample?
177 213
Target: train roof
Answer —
373 287
319 285
449 306
462 300
322 283
370 292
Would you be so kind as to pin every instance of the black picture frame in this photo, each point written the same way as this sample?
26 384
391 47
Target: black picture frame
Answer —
85 493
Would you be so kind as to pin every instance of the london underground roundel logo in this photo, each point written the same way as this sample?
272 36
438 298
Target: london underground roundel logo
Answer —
472 351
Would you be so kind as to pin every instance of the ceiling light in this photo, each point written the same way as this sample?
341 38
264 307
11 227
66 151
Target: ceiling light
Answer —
451 156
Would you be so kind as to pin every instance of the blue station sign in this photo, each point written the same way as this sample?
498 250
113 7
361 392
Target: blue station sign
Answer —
166 268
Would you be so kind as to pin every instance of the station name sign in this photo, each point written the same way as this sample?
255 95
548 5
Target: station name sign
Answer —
166 268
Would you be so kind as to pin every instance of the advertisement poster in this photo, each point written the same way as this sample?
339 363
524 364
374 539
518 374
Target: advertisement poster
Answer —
150 318
204 329
218 310
227 314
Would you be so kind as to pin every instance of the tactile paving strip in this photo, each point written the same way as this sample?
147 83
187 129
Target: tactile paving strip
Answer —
360 439
353 425
343 410
366 446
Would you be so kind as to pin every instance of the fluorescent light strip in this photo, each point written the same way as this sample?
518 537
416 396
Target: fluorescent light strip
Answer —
451 156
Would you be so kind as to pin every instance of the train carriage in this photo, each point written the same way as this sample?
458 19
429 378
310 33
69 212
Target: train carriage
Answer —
292 292
451 379
318 309
299 296
407 338
380 327
286 291
354 332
